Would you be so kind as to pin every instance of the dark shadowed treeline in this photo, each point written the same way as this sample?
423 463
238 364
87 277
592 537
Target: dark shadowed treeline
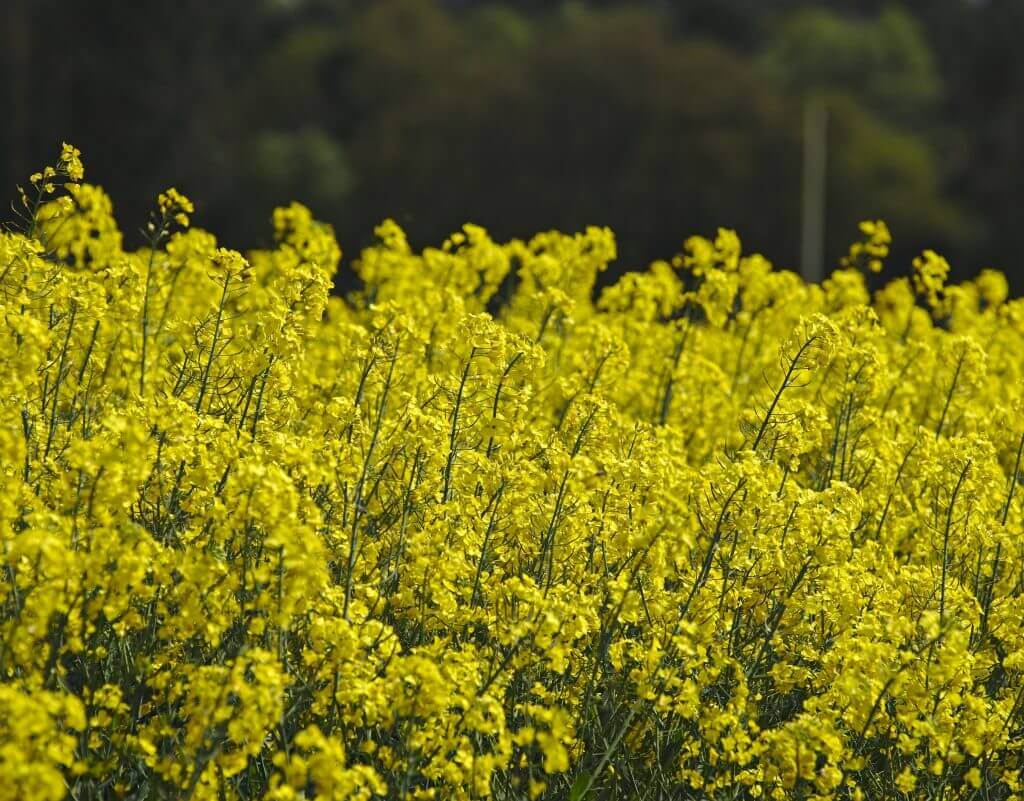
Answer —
657 118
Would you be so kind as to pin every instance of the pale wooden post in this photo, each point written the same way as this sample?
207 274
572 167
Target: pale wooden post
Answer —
812 234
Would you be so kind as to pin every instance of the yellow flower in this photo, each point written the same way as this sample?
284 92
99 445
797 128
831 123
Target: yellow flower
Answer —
718 529
906 781
174 205
71 162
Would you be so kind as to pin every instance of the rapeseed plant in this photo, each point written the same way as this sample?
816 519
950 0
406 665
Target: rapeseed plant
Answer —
472 532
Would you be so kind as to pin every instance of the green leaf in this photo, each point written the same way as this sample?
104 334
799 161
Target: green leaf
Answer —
579 787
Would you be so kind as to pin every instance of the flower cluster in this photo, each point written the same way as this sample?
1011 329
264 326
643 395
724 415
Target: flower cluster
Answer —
483 530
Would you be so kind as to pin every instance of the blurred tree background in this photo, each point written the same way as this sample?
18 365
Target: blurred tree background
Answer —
659 118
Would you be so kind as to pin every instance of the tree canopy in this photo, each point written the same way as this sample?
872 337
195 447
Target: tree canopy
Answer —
651 117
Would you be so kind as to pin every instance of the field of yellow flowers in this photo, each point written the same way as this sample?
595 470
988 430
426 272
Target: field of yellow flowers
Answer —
471 533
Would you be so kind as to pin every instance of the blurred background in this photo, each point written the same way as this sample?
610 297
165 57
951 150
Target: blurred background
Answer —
660 119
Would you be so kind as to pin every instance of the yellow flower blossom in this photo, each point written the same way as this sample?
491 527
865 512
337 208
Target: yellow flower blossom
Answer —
469 532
